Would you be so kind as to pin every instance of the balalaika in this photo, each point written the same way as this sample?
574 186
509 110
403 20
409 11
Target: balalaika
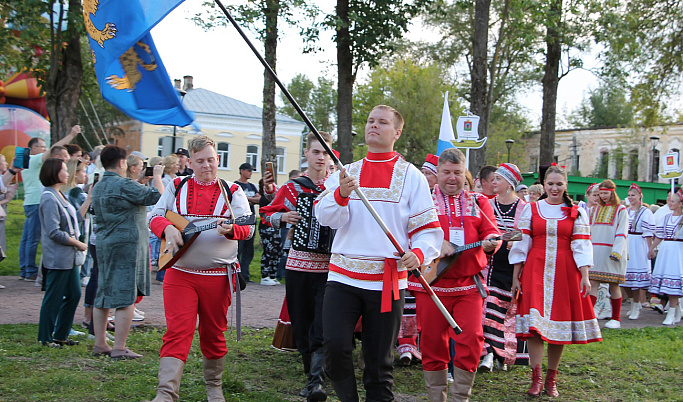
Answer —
308 234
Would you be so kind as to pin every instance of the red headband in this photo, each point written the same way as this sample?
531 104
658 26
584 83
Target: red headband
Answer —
679 193
636 187
606 189
591 187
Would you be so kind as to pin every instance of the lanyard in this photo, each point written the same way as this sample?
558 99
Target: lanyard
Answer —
448 210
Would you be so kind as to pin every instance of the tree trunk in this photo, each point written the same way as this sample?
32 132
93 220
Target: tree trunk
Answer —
271 10
63 84
345 85
550 80
478 77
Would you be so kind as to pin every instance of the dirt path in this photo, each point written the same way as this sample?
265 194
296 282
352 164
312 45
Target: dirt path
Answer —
20 303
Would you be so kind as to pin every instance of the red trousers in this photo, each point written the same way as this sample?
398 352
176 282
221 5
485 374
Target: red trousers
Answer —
467 311
186 296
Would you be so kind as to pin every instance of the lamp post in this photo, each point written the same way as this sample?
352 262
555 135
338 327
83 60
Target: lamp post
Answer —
654 140
508 144
182 96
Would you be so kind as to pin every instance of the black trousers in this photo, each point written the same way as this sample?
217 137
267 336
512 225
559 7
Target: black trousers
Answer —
245 253
305 294
342 308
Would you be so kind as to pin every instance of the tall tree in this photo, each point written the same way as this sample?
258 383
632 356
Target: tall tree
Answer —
505 42
404 84
365 30
478 92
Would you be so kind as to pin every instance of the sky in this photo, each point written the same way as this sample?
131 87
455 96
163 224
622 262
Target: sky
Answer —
220 61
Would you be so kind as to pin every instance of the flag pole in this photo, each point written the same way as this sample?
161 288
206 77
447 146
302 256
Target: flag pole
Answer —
340 166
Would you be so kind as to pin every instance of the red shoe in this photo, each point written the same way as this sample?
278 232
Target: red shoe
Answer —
536 381
551 383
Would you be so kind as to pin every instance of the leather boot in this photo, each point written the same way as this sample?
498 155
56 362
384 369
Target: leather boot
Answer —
306 357
536 381
315 379
346 389
170 372
213 378
551 383
437 385
461 387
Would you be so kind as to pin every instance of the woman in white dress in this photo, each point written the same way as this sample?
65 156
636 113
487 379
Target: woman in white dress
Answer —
667 277
640 233
609 229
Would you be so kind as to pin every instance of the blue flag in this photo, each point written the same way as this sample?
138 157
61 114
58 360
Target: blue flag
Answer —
129 70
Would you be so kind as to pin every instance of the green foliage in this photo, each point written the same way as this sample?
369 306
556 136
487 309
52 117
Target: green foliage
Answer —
642 49
508 121
298 13
375 26
23 33
318 101
416 90
605 106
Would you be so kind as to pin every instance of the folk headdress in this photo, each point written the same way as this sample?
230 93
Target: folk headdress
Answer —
510 172
431 163
636 187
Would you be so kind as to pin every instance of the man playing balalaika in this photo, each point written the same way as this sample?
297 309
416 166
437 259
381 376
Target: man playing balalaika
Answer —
199 282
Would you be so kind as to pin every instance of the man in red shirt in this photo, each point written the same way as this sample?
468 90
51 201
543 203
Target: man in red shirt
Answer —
465 218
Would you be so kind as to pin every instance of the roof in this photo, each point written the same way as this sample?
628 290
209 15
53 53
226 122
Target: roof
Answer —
203 101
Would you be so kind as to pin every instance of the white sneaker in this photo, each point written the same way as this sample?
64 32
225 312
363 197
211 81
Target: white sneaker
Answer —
73 332
140 312
450 378
137 317
613 324
269 282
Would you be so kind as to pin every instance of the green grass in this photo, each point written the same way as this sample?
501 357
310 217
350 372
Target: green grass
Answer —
630 365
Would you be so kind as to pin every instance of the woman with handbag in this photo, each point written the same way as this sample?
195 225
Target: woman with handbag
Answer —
63 253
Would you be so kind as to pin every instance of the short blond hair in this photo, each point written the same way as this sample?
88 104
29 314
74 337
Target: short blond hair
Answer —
398 119
200 142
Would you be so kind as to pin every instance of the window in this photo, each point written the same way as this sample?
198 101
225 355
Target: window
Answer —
160 147
223 150
166 145
280 158
633 165
603 165
619 164
252 156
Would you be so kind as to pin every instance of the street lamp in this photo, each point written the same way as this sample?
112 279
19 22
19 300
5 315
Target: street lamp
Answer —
182 96
653 140
508 143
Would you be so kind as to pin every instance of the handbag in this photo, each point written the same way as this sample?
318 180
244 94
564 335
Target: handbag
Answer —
80 255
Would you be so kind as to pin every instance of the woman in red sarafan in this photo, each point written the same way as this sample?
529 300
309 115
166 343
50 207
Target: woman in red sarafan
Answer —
551 274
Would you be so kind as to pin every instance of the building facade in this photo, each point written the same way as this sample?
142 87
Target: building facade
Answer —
237 129
629 153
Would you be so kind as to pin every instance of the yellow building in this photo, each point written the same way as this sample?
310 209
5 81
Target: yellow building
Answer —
237 129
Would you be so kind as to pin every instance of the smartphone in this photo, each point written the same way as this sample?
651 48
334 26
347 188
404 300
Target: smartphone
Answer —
21 157
149 171
270 166
96 178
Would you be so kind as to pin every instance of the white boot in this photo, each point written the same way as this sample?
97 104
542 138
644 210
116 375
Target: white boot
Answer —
486 363
635 311
679 313
630 310
670 317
